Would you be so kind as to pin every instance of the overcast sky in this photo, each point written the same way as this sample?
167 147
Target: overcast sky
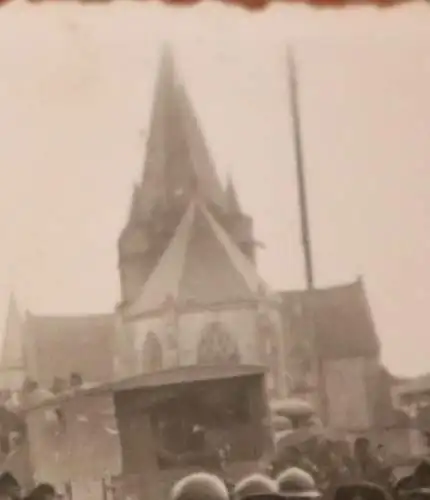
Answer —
75 95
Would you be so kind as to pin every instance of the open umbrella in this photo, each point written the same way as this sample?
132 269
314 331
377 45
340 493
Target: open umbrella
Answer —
292 407
295 438
281 423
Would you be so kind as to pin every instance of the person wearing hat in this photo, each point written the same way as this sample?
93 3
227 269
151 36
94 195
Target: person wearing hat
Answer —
366 466
255 484
9 487
291 456
200 486
295 483
417 484
403 486
361 491
43 491
422 473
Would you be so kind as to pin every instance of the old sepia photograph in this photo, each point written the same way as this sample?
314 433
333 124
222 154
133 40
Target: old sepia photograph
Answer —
215 255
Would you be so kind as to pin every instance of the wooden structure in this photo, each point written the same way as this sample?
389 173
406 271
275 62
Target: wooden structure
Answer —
143 433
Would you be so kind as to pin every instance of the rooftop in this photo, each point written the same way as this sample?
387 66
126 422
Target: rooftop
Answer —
175 376
340 316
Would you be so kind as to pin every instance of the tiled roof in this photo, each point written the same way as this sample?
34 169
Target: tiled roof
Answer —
60 345
202 265
340 317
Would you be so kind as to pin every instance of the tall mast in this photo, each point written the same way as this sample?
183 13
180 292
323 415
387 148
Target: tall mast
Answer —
301 178
305 228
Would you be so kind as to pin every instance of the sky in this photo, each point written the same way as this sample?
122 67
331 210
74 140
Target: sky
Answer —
76 88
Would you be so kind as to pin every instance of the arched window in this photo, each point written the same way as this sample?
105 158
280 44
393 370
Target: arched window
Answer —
152 354
217 346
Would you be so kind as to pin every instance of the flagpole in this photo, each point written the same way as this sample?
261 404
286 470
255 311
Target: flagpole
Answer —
305 229
301 178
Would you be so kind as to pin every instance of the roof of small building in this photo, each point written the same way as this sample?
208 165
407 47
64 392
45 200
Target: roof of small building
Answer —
339 316
182 375
174 376
57 346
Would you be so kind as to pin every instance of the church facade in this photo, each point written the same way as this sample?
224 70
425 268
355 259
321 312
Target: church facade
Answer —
191 293
190 290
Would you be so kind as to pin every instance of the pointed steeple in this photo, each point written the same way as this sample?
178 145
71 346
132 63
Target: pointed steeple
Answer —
12 354
232 199
153 191
177 157
178 166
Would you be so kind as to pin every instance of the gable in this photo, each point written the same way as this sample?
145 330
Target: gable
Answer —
201 266
210 275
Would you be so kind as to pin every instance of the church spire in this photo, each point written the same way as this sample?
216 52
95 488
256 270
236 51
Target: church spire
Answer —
177 157
12 354
178 166
232 198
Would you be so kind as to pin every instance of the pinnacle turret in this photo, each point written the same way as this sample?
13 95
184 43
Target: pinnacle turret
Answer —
231 196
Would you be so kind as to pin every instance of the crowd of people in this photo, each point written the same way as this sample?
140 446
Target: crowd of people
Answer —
295 483
333 474
331 463
364 478
10 489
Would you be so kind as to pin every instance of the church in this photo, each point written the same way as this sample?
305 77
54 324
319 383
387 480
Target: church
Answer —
192 295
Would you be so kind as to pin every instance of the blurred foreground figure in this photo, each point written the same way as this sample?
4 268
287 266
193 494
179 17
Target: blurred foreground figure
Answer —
9 487
402 487
290 457
361 491
417 485
367 466
296 483
43 491
255 484
200 486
